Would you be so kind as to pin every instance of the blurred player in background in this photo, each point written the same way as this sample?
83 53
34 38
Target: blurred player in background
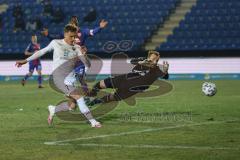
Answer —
83 33
34 64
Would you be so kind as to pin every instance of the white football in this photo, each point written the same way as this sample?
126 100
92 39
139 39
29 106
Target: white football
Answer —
209 89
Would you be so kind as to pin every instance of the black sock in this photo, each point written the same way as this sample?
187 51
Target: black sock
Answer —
95 90
104 99
97 86
108 98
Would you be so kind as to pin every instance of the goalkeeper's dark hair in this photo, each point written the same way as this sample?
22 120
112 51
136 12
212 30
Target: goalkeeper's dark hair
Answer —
74 20
155 53
33 34
73 16
70 28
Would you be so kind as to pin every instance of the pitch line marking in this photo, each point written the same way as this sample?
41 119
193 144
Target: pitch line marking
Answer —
133 132
144 146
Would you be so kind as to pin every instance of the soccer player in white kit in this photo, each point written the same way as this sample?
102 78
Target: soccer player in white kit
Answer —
65 54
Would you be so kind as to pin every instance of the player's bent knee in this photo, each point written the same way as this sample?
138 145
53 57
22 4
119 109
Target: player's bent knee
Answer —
76 95
102 84
72 104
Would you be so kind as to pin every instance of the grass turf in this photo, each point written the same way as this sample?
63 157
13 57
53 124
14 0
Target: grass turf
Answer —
183 124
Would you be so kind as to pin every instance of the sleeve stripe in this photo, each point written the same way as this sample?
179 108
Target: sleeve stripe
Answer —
28 48
91 32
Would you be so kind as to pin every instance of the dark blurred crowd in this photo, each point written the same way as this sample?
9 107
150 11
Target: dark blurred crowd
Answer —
1 24
55 14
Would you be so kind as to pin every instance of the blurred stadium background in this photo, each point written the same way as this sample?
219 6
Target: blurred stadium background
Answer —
176 28
199 38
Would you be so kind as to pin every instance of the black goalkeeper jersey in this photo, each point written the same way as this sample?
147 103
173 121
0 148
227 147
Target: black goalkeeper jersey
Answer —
139 79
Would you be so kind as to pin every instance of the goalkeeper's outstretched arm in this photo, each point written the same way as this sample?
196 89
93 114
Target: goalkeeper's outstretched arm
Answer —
164 68
135 61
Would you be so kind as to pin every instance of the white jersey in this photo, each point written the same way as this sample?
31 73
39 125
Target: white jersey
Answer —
70 80
62 52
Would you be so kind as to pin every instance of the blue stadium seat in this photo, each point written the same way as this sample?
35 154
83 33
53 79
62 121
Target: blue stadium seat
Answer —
210 25
128 19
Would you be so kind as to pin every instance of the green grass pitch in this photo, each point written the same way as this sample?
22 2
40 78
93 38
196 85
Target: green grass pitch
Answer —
183 124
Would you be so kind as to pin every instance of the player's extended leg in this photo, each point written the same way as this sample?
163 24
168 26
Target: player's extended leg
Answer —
72 103
105 99
103 84
84 109
61 107
106 83
76 96
59 75
39 78
29 74
122 92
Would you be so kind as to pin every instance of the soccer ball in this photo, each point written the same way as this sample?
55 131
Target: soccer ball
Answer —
209 89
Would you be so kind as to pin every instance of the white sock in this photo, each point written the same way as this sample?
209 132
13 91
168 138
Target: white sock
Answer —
92 121
52 110
82 106
85 110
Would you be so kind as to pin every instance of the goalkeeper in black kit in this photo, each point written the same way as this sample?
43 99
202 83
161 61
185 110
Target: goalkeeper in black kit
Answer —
144 73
